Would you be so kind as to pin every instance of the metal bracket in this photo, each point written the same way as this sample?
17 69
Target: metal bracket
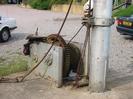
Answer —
103 22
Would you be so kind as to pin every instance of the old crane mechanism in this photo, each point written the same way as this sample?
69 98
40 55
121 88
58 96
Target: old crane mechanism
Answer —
62 60
52 57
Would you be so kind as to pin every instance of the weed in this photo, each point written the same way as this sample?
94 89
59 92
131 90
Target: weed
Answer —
13 65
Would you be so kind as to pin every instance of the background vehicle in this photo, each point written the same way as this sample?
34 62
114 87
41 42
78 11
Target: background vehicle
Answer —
125 25
6 25
12 1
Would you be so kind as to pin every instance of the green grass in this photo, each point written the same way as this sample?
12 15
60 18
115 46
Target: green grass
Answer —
14 65
124 12
2 59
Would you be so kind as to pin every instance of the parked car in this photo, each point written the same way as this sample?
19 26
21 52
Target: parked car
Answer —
6 26
125 25
12 1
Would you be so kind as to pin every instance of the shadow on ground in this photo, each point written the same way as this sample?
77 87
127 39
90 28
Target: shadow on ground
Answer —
128 37
15 37
120 78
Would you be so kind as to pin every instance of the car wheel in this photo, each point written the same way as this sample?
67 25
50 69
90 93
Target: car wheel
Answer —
5 35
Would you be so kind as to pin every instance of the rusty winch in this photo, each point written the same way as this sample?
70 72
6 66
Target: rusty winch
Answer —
71 53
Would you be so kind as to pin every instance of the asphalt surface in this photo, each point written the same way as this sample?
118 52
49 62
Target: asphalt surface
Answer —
120 74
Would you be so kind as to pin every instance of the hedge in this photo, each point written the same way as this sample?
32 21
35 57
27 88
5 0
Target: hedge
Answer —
124 12
45 4
3 1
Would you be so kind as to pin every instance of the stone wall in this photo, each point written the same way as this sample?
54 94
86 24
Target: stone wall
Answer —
76 9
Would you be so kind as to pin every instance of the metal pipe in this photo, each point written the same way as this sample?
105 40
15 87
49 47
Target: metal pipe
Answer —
100 45
87 54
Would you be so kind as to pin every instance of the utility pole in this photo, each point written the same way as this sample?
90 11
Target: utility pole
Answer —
100 39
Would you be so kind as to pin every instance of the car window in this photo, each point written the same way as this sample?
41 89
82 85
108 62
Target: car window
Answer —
0 17
131 15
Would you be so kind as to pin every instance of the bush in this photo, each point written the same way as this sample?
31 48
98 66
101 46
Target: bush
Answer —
124 12
3 1
41 4
45 4
25 2
61 1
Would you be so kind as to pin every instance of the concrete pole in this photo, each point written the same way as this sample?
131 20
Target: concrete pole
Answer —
100 38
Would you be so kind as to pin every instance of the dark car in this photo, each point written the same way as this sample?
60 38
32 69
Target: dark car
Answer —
125 25
14 1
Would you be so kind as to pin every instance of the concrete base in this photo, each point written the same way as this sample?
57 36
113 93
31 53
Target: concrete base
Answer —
52 65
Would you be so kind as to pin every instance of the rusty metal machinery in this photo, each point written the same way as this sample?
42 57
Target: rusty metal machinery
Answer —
66 51
55 39
59 41
71 53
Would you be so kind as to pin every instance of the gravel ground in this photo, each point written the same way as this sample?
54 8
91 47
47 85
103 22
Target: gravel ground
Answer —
120 75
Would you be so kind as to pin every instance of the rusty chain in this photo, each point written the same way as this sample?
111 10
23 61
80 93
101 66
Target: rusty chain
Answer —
21 78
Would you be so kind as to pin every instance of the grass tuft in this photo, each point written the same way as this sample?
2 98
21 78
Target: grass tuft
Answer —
14 65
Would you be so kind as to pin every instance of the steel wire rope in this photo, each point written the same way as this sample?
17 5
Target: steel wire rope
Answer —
82 56
34 67
75 34
87 40
21 78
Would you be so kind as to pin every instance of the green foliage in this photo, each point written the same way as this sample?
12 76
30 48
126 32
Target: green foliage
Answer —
45 4
121 1
39 4
3 1
25 2
61 1
124 12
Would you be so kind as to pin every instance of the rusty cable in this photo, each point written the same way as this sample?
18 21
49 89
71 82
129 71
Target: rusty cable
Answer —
29 72
87 40
83 50
81 58
65 17
75 34
21 79
34 67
